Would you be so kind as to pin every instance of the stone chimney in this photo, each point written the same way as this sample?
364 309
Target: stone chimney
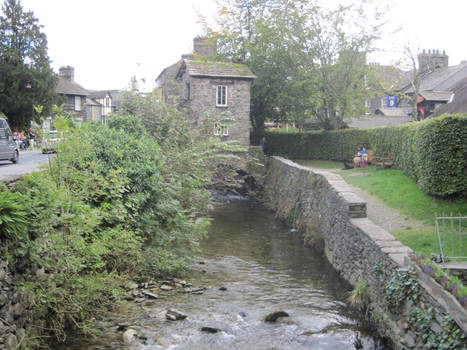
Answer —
67 72
203 47
432 60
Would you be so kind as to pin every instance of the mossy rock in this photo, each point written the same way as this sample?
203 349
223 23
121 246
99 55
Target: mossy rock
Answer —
273 316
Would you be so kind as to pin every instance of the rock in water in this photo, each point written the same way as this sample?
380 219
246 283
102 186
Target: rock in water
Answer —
210 329
150 295
174 315
273 316
129 336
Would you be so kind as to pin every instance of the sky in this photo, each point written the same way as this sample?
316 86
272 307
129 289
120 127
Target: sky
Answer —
109 41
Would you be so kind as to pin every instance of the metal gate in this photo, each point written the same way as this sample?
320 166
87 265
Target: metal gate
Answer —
452 237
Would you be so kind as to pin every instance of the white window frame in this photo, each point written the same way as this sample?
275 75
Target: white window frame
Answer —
221 96
77 103
221 129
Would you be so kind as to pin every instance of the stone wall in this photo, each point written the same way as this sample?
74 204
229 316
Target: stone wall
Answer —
202 99
13 309
332 217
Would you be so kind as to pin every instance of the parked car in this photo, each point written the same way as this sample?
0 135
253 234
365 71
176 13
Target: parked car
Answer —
50 142
8 146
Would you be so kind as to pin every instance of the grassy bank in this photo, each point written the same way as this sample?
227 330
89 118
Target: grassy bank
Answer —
400 192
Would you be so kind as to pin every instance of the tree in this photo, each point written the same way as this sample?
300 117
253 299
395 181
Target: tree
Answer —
411 55
309 61
26 78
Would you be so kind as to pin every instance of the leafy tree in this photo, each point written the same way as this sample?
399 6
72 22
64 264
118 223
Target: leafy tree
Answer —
26 78
309 61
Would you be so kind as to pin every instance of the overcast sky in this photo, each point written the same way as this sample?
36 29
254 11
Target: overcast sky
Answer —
108 41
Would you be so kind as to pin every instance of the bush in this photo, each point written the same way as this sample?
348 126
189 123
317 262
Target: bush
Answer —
432 152
106 200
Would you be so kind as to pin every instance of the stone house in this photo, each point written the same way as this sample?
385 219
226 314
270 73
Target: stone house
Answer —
203 87
85 105
73 95
107 101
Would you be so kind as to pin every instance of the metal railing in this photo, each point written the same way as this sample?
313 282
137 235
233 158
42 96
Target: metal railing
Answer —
452 235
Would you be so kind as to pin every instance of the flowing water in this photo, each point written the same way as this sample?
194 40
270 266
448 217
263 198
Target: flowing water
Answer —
264 267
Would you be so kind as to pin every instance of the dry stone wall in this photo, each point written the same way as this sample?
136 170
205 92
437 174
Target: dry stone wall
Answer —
332 217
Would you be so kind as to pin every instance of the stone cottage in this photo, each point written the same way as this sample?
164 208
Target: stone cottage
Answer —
204 87
83 104
73 95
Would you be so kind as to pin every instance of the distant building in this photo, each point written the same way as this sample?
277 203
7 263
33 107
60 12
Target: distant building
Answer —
109 102
443 89
85 105
74 95
200 85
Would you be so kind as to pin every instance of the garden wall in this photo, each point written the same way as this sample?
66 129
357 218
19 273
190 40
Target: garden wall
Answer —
332 217
432 152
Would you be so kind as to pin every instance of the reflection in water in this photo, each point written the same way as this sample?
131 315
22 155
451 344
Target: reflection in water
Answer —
264 268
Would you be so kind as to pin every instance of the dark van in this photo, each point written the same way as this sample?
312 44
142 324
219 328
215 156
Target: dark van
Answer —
8 147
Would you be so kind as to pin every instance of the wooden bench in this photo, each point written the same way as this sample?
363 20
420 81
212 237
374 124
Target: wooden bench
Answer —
384 162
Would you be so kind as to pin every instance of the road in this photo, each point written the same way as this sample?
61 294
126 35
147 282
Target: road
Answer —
29 161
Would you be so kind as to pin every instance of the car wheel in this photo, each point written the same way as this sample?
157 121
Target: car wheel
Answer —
15 158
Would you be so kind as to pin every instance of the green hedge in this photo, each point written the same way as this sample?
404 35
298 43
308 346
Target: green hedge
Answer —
432 152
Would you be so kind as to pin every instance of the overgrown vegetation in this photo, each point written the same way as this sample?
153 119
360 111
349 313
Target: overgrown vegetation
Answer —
113 204
402 289
359 298
432 152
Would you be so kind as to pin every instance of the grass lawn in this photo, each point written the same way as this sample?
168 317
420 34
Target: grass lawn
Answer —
321 164
400 192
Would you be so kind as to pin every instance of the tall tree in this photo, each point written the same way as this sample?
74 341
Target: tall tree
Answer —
26 78
309 61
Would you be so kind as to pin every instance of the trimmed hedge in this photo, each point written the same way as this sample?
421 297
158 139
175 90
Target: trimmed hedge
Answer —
433 152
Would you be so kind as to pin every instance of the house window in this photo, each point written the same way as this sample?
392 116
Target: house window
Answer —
77 103
220 129
221 96
107 101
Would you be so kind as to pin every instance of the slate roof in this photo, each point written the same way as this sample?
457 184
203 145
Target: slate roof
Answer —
91 102
443 79
68 87
458 104
215 69
115 95
369 122
391 112
437 95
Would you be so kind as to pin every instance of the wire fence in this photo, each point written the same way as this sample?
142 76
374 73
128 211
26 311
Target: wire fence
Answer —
452 237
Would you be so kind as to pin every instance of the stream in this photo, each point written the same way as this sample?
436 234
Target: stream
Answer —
252 265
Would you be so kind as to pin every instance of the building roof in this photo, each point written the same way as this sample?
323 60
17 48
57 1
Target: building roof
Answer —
391 112
374 121
443 79
216 69
69 87
457 105
443 96
91 102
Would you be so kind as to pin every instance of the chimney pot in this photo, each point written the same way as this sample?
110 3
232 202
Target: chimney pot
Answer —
67 72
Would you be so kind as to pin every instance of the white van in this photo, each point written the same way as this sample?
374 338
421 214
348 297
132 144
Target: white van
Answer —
8 147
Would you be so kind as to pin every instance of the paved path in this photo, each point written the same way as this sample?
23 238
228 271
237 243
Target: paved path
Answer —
386 217
382 215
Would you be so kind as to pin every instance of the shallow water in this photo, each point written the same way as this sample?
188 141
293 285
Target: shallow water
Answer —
264 267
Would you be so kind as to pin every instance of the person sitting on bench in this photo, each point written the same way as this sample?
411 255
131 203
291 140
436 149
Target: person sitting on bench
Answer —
358 157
